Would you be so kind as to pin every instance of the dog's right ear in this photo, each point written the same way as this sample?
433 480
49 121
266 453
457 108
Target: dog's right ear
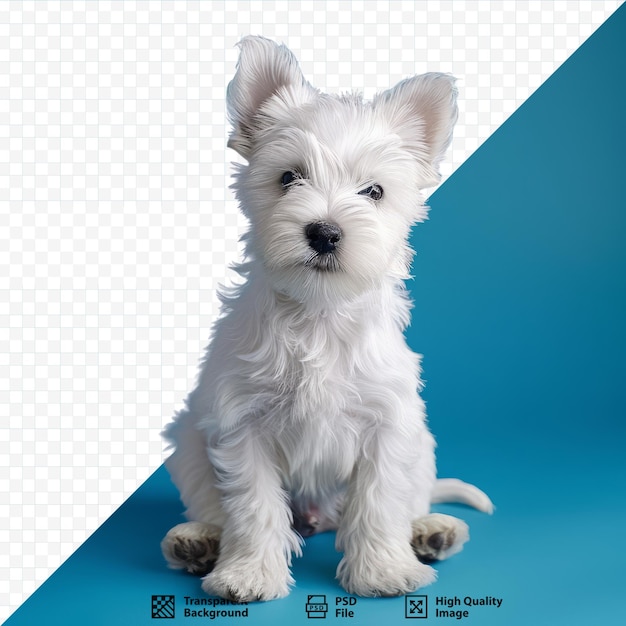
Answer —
263 69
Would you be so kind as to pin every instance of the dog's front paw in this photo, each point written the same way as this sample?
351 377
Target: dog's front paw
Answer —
371 575
246 582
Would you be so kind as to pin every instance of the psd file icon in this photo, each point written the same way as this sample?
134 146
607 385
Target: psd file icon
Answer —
316 607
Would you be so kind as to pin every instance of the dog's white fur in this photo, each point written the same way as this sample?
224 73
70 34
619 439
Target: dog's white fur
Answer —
307 410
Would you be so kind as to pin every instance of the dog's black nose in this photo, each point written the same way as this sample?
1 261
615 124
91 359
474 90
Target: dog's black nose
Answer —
323 237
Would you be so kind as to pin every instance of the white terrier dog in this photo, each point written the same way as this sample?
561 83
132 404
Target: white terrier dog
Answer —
306 416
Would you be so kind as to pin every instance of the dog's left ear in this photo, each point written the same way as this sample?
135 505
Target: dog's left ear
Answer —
422 111
264 69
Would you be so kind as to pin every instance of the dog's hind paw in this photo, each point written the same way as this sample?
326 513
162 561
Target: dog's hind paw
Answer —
192 546
438 536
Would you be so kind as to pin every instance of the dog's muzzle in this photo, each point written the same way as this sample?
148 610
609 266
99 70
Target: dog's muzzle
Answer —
323 237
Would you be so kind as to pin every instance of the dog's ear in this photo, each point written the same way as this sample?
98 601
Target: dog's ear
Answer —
422 111
263 69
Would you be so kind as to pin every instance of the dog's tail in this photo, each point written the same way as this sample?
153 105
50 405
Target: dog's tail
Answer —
455 490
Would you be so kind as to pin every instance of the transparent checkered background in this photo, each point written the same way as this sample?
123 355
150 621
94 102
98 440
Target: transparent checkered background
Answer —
116 223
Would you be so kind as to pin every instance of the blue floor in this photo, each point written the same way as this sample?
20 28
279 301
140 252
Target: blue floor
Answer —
552 553
520 290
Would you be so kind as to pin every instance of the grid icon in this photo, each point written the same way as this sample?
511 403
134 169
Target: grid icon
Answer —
163 607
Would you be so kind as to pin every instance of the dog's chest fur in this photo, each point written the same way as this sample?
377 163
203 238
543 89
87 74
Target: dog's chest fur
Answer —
317 409
314 382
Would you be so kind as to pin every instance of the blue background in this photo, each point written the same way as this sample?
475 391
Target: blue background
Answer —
520 294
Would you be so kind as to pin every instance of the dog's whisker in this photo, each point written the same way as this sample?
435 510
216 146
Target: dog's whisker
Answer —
311 259
323 262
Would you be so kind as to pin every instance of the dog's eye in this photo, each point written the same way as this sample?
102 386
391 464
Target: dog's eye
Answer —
289 177
375 192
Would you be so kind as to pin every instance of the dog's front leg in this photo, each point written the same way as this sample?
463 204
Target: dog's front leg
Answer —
375 529
257 539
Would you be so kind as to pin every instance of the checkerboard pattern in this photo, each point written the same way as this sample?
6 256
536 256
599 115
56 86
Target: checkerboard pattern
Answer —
163 607
117 225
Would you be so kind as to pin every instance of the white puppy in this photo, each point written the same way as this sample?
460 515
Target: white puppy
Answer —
306 416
